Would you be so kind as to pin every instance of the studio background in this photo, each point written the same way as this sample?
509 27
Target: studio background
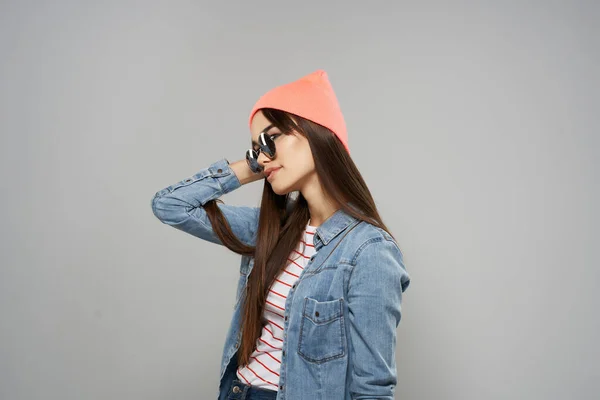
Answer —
475 125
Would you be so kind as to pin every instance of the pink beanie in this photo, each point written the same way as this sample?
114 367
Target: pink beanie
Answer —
310 97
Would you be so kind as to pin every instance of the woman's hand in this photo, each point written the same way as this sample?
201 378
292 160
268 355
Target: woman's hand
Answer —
244 173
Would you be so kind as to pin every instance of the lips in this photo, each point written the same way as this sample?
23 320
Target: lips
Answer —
272 173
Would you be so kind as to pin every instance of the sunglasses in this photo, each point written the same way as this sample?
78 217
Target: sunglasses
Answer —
266 145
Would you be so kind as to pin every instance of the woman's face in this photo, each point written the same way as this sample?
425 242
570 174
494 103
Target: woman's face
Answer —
292 156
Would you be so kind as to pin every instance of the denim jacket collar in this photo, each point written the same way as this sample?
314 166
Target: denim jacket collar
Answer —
332 227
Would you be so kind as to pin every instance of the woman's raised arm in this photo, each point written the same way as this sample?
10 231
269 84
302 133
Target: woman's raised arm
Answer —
180 205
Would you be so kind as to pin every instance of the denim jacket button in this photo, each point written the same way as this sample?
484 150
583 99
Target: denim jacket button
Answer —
236 389
219 170
316 313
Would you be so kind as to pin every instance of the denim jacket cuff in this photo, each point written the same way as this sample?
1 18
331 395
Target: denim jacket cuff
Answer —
222 172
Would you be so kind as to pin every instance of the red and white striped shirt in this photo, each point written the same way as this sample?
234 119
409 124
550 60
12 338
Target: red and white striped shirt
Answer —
265 362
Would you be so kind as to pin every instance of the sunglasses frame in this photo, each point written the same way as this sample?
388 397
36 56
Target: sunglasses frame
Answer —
266 145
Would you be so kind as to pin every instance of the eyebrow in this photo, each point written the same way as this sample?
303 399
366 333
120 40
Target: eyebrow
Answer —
264 130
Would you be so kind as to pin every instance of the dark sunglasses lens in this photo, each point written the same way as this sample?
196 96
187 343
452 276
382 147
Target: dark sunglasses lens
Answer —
252 160
269 145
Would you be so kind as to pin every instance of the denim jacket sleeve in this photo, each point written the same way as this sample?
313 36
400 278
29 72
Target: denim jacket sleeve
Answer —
180 205
375 288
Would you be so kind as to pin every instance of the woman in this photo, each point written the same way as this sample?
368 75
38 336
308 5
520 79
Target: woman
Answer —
321 277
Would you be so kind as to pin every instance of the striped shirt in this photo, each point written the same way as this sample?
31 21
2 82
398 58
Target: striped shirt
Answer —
265 362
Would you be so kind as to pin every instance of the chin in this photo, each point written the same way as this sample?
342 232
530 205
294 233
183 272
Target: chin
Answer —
279 190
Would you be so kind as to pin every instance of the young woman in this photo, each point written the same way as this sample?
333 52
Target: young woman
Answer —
321 277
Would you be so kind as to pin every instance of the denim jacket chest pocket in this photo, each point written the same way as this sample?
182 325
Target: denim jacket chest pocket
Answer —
322 332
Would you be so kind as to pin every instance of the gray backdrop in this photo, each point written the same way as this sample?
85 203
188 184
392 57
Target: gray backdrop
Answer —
475 125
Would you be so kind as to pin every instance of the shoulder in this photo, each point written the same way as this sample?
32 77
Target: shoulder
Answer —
375 253
371 238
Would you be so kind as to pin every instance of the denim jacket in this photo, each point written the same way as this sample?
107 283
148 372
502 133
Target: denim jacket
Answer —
340 317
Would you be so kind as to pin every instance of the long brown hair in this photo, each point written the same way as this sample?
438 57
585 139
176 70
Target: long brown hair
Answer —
282 221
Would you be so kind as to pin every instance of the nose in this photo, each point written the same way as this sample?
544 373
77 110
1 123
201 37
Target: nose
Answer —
262 158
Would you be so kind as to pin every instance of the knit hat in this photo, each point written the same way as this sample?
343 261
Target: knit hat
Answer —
310 97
